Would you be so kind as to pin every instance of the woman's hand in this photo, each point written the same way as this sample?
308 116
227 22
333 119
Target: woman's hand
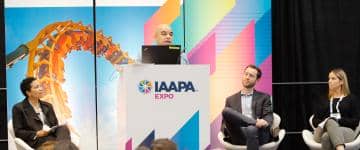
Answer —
41 133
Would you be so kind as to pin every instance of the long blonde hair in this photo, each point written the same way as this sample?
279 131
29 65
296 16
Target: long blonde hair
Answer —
341 75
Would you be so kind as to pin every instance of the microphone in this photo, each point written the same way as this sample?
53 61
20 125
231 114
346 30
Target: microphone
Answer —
183 57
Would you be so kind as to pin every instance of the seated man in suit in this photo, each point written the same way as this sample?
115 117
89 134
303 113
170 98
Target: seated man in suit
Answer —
247 115
35 122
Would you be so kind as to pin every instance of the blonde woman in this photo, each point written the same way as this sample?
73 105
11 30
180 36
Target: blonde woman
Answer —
338 118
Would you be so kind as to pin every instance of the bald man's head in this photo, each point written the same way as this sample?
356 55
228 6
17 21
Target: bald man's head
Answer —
163 35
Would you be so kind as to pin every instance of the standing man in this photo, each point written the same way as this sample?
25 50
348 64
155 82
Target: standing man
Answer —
164 36
247 115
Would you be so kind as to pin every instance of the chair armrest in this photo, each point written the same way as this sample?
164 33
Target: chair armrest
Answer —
311 122
21 145
281 135
354 144
309 140
229 145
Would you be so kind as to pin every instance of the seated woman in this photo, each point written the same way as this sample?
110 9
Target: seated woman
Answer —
337 119
35 122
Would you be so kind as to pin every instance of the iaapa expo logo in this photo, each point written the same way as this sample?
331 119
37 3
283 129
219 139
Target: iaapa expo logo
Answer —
165 89
145 86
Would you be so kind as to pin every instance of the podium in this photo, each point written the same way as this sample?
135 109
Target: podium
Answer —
164 101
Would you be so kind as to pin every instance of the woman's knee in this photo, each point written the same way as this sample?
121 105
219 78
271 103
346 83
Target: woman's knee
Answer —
331 123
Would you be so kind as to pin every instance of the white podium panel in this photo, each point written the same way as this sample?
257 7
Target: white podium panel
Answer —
164 101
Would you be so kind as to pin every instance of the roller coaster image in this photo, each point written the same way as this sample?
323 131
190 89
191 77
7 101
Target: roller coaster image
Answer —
47 51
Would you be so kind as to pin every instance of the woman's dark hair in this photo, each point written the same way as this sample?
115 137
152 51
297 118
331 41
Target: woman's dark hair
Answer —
26 85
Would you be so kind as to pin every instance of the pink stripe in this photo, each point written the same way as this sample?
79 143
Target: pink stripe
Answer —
204 52
128 145
265 83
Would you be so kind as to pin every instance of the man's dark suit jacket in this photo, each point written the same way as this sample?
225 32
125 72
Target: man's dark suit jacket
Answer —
260 106
26 122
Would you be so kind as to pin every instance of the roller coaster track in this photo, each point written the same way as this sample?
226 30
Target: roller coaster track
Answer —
50 47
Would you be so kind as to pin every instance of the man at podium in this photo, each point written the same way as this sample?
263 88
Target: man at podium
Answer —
164 36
